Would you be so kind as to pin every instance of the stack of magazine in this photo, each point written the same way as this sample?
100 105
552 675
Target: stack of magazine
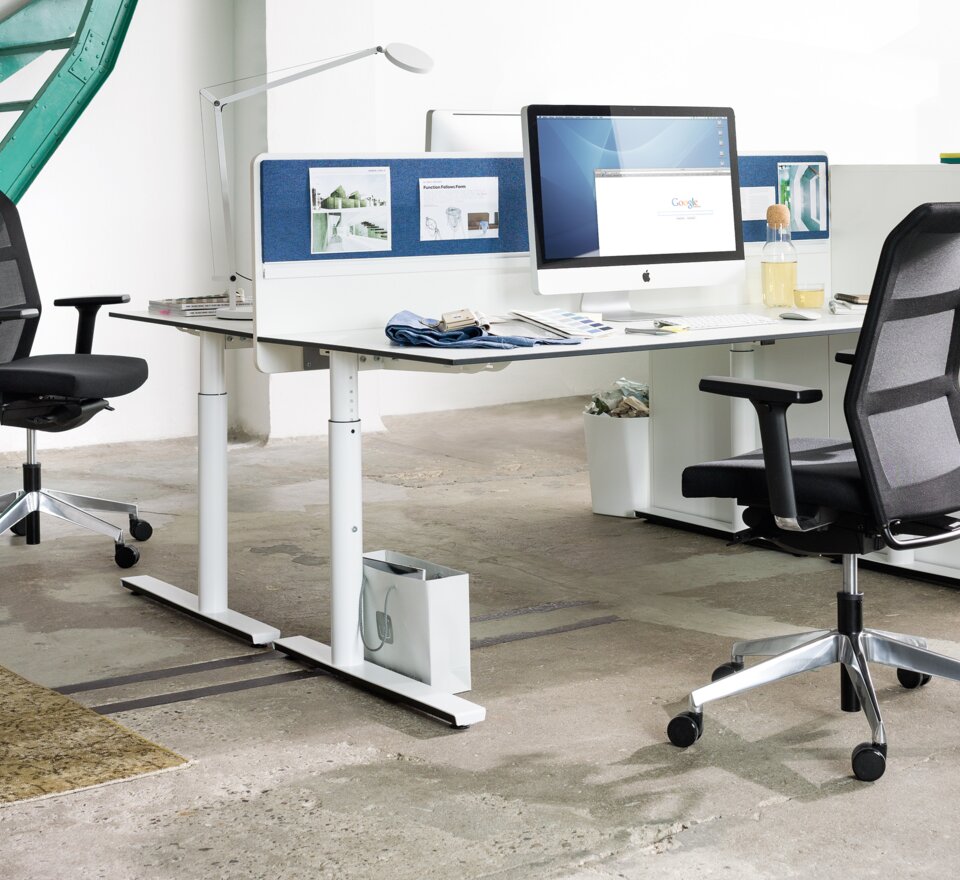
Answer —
564 323
193 306
849 302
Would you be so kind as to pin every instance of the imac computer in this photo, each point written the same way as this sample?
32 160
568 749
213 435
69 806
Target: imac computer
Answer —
623 199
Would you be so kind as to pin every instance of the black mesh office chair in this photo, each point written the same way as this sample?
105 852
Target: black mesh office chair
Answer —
893 485
55 392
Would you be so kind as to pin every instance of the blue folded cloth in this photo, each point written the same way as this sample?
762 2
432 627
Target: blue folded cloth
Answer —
406 328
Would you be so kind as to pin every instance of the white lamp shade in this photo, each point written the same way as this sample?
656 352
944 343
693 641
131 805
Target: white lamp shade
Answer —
408 57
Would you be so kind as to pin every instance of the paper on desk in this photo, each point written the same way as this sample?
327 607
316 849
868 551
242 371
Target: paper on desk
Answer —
503 326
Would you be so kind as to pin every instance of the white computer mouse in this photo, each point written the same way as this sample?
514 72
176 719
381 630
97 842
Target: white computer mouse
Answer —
800 315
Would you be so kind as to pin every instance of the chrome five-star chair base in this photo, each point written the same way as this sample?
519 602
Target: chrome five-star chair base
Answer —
850 645
20 511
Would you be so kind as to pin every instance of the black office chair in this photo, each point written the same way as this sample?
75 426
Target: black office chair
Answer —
893 485
55 392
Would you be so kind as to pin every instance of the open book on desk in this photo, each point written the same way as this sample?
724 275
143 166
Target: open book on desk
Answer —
563 323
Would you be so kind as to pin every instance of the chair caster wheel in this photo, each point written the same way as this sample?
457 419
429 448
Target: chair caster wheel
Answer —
910 679
19 529
685 729
140 529
725 670
869 761
125 556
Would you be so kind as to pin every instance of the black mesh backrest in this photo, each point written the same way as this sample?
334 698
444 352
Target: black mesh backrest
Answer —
18 287
903 400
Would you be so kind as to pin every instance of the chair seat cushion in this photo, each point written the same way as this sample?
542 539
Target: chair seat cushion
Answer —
825 473
79 376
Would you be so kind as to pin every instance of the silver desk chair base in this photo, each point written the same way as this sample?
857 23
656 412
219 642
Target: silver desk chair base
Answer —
851 645
15 507
20 511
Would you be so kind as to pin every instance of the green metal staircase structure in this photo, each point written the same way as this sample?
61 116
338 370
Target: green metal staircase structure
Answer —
92 32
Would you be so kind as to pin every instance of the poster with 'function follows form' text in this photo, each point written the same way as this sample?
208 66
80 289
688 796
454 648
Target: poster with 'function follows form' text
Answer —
453 208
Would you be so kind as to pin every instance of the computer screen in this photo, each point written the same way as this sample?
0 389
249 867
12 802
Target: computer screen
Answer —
631 198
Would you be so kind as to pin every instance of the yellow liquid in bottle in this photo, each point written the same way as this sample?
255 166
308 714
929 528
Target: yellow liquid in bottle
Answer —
779 281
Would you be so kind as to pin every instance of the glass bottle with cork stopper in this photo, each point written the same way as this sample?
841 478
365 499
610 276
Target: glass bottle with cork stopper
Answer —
778 260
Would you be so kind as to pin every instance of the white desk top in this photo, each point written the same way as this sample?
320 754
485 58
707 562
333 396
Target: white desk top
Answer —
241 329
373 341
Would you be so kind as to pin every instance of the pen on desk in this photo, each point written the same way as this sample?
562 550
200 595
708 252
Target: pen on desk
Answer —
670 326
838 306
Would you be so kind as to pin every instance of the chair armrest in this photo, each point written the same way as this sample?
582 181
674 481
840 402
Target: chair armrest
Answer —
756 390
18 313
109 300
87 308
848 356
771 400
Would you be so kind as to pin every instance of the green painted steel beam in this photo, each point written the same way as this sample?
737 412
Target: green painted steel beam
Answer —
95 38
32 50
24 34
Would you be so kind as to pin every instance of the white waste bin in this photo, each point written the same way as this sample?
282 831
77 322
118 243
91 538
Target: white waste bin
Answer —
618 454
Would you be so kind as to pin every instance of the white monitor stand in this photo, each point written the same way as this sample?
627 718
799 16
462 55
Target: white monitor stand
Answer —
614 305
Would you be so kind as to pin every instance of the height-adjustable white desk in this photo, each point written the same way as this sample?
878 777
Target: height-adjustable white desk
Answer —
296 295
350 352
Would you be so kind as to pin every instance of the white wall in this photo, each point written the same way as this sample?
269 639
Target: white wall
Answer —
119 209
866 81
870 81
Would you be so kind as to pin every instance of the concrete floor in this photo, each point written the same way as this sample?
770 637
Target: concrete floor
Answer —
569 777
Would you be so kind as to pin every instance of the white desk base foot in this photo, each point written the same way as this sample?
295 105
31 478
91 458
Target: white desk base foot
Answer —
678 518
386 683
233 622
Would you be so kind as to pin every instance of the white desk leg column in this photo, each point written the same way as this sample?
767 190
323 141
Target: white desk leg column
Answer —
212 476
743 417
346 509
343 657
210 604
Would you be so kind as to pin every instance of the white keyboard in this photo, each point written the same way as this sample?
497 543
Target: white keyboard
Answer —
721 322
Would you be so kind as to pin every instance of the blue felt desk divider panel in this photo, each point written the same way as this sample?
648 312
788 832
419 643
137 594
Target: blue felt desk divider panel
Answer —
762 171
285 206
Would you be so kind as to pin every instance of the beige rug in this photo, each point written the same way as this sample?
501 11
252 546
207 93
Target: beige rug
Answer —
50 744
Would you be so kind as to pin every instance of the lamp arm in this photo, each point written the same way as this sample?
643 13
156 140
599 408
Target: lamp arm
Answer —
225 205
293 77
218 105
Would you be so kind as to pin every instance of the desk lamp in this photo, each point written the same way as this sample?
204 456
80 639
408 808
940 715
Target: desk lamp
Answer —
406 57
